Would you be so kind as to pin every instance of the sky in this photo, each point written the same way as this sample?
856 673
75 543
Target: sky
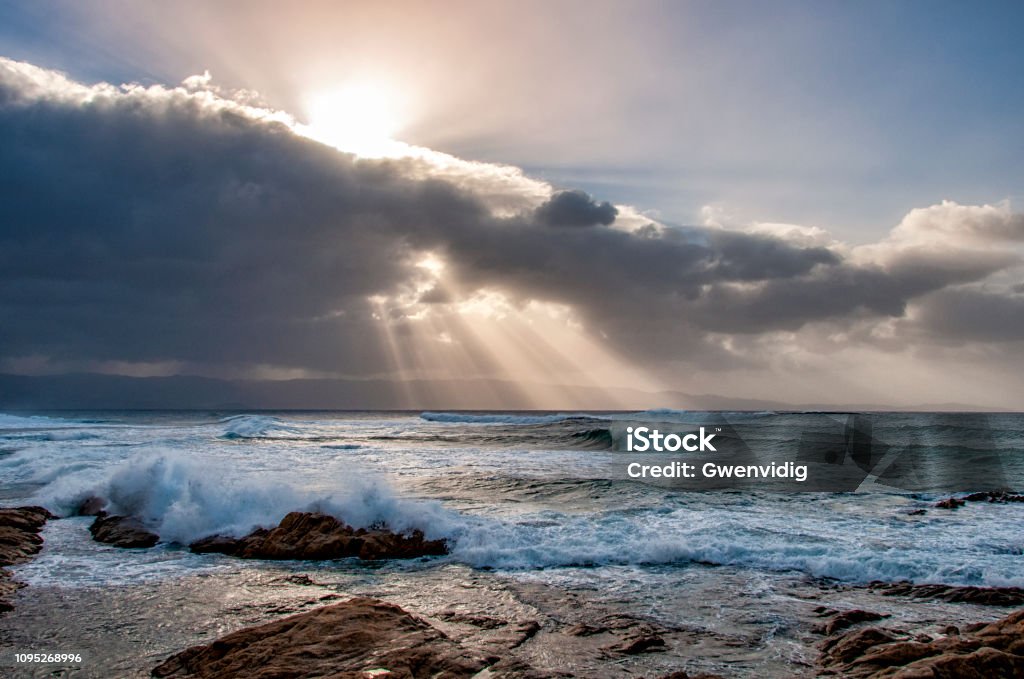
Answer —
812 202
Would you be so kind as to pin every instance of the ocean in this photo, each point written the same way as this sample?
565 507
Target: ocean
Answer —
535 506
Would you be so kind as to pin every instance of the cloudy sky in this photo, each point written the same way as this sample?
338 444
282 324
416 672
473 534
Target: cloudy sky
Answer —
810 202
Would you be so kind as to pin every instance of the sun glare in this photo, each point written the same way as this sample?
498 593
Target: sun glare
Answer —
358 118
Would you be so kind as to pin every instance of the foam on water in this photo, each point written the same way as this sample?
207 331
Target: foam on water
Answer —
258 427
978 551
183 499
186 478
9 421
71 559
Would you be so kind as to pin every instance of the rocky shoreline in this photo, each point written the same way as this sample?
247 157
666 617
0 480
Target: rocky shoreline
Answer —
367 637
356 635
19 542
993 649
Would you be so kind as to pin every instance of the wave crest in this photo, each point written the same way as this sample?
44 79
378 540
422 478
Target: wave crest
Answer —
182 500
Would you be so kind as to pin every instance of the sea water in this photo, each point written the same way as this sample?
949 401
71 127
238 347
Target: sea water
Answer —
531 498
510 491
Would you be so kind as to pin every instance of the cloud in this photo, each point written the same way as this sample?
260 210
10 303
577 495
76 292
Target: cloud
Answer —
954 224
575 208
176 226
959 315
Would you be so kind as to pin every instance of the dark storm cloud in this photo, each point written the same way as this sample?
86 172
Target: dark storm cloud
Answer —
575 208
974 315
154 227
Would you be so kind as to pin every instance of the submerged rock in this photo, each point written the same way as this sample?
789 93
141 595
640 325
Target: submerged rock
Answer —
998 496
992 650
994 496
19 541
355 638
90 506
122 531
314 536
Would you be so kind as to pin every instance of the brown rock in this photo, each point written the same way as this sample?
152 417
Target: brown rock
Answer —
637 643
481 621
949 503
585 630
985 663
122 531
313 536
846 647
641 644
19 533
986 596
517 634
19 541
995 650
841 621
215 544
338 641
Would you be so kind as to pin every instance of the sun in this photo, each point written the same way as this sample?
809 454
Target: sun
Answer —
360 118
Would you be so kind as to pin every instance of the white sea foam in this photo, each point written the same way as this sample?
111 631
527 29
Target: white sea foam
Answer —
835 549
182 498
9 421
258 427
186 480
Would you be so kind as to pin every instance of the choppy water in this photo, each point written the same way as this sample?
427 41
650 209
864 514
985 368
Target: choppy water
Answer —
541 519
513 492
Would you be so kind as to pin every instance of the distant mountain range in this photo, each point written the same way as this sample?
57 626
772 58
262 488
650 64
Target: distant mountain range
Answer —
84 391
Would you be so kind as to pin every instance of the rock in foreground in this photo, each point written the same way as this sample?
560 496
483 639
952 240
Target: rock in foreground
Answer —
994 650
984 596
19 541
19 533
121 531
313 536
356 638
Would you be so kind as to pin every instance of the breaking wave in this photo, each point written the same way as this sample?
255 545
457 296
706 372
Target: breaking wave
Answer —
8 421
258 427
183 499
656 537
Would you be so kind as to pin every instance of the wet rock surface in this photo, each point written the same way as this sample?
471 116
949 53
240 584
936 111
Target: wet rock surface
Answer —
998 496
991 650
842 620
356 638
19 541
313 536
122 531
993 496
985 596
